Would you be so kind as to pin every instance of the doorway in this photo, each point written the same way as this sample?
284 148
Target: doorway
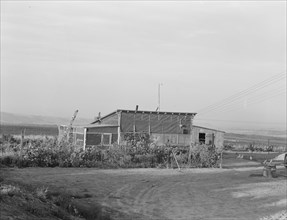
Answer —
201 138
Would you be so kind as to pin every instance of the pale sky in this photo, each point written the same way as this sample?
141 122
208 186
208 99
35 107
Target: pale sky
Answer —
57 57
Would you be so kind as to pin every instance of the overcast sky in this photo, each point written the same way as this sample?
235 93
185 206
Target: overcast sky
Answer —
57 57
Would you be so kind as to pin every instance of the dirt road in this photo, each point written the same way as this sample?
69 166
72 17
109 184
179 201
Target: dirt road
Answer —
241 193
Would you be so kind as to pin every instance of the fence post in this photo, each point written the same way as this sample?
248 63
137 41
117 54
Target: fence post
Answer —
189 154
175 160
22 142
221 159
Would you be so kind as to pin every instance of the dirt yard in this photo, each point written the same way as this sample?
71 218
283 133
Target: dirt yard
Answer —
234 193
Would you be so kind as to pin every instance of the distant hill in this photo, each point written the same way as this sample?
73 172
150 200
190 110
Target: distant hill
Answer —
255 129
10 118
264 132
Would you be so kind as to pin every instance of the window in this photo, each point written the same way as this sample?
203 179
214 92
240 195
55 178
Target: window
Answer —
93 139
98 139
106 139
185 131
201 138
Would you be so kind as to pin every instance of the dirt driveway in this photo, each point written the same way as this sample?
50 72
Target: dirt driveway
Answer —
241 193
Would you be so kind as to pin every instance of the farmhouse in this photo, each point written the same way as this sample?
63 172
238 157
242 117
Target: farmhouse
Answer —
174 128
163 127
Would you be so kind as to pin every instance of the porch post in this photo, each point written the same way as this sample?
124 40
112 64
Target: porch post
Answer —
119 127
85 138
191 138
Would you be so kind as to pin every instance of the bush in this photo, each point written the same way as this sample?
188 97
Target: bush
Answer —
7 160
49 153
204 156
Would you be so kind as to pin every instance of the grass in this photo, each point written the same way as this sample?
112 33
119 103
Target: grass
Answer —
231 160
259 157
38 202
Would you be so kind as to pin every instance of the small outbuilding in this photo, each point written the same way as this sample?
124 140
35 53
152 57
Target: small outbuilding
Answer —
208 136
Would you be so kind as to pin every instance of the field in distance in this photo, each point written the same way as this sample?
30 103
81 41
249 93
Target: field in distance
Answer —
42 130
232 138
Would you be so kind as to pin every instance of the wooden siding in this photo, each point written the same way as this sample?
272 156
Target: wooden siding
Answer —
209 134
94 135
93 139
154 123
164 128
171 139
113 130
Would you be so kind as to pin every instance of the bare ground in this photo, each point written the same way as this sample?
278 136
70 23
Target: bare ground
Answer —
234 193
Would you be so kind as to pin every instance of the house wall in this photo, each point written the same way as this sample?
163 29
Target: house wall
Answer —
154 123
95 135
163 128
172 139
209 135
164 139
219 140
107 129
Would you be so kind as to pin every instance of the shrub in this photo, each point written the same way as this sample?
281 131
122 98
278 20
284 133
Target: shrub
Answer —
41 193
7 160
204 156
48 152
89 212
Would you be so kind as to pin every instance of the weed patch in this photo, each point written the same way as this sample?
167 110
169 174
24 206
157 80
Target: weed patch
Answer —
137 154
39 202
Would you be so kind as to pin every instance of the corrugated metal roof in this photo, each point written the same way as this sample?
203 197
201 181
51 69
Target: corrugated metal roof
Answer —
157 112
144 112
208 128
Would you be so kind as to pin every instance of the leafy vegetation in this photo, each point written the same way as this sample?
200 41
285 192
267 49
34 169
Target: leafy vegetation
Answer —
48 152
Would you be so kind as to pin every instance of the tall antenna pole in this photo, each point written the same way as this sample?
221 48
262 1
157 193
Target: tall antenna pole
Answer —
158 97
160 84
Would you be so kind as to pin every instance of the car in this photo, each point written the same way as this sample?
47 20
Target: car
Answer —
281 159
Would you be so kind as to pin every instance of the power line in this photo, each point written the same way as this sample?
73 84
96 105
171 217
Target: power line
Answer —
243 93
235 99
236 103
258 85
234 121
265 95
254 102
